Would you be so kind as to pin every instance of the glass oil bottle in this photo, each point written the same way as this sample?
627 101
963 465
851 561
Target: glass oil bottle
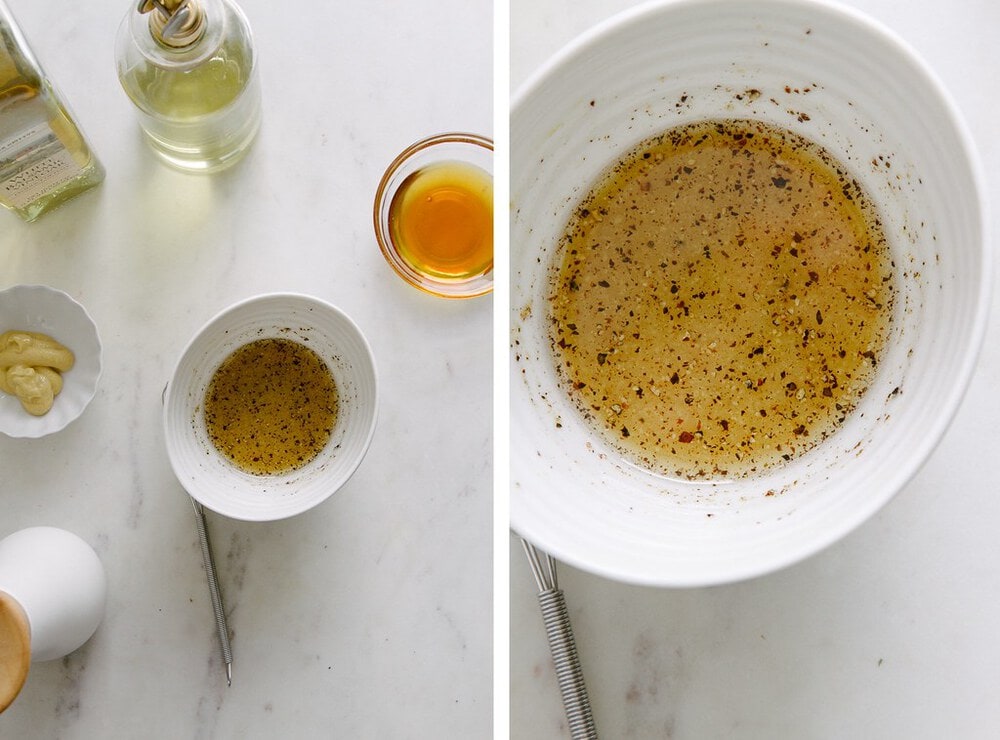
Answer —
44 158
189 66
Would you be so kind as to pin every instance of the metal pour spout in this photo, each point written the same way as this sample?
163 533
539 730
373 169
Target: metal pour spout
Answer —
176 23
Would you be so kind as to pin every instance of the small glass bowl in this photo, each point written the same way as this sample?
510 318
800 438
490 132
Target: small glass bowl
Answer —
451 147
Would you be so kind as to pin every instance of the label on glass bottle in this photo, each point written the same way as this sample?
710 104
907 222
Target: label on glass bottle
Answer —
28 184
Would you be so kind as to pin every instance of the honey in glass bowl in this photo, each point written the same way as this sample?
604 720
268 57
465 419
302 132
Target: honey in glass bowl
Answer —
441 220
434 215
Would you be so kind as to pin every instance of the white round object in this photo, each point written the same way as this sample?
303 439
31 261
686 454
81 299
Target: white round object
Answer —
60 584
38 308
206 473
833 76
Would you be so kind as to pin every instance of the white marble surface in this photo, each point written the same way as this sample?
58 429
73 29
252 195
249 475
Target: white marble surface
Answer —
369 617
891 633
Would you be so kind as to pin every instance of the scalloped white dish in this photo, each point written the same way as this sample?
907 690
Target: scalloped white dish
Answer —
39 308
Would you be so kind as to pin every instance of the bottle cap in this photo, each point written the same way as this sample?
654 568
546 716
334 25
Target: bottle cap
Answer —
176 23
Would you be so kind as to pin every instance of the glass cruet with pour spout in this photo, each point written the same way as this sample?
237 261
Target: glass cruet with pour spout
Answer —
189 66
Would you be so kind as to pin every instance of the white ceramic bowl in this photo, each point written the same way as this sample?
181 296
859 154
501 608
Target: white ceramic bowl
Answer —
206 474
833 76
38 308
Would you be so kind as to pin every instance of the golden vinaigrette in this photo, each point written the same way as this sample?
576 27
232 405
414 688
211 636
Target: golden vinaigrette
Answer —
271 406
441 221
724 295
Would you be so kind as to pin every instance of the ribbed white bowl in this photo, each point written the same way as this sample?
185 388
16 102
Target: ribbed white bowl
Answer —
208 475
833 76
39 308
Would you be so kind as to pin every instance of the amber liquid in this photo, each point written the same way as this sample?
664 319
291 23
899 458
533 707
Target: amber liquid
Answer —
271 406
723 298
441 221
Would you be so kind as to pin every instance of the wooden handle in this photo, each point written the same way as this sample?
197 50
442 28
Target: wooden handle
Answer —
15 649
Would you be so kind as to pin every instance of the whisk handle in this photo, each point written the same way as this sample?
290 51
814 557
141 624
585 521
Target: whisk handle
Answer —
568 672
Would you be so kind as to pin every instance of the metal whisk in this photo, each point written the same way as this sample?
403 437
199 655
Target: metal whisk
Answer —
213 589
562 645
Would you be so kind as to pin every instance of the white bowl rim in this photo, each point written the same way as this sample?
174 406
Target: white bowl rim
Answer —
36 427
955 391
372 422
